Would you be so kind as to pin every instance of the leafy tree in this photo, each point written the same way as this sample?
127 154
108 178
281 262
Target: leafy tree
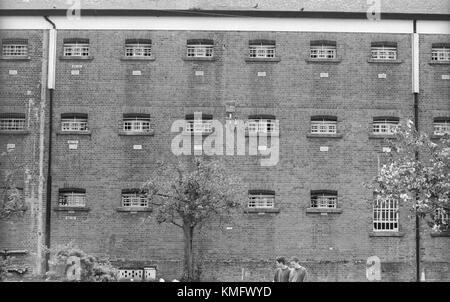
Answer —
189 194
417 172
11 199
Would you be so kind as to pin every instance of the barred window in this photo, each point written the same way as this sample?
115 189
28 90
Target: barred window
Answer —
324 199
138 48
72 197
440 52
262 49
200 48
131 274
136 123
134 198
261 199
324 124
74 122
14 47
385 215
76 47
261 124
323 50
202 125
12 121
441 125
442 217
384 125
384 51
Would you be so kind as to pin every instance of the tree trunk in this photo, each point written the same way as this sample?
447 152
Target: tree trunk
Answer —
188 253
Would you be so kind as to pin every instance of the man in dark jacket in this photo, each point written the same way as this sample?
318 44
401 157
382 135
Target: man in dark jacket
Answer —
282 272
298 272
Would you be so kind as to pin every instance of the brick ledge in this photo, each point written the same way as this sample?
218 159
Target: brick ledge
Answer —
386 234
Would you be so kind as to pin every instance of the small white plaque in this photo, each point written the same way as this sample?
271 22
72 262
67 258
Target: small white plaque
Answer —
137 72
229 228
324 74
445 77
199 73
323 148
324 214
73 146
74 72
386 149
13 72
71 218
262 148
381 75
137 147
261 74
76 66
72 142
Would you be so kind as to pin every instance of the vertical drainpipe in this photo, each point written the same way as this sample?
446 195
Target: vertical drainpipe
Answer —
415 79
51 87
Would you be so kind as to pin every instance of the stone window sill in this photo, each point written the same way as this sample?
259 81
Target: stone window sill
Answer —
439 63
319 211
314 135
434 136
386 234
385 61
440 234
207 59
248 134
263 60
125 58
387 136
125 133
133 209
15 58
6 252
16 132
71 209
261 211
76 58
309 60
59 132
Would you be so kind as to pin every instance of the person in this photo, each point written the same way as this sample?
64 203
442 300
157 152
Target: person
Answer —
282 272
298 272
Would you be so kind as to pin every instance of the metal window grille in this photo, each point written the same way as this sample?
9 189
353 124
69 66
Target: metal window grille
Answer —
441 128
384 127
72 199
74 124
199 126
12 123
138 50
324 127
137 124
385 215
261 126
262 51
384 53
128 274
134 200
76 49
440 54
15 50
323 52
261 201
443 216
324 201
200 50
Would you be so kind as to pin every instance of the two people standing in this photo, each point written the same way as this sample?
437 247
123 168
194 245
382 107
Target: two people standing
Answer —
284 273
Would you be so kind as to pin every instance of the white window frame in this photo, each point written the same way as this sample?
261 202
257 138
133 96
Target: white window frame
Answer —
261 201
444 216
441 128
134 200
385 215
199 126
76 49
324 201
72 199
262 50
14 49
74 124
200 50
323 52
384 127
323 126
384 53
136 124
261 126
138 50
440 54
12 123
131 274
